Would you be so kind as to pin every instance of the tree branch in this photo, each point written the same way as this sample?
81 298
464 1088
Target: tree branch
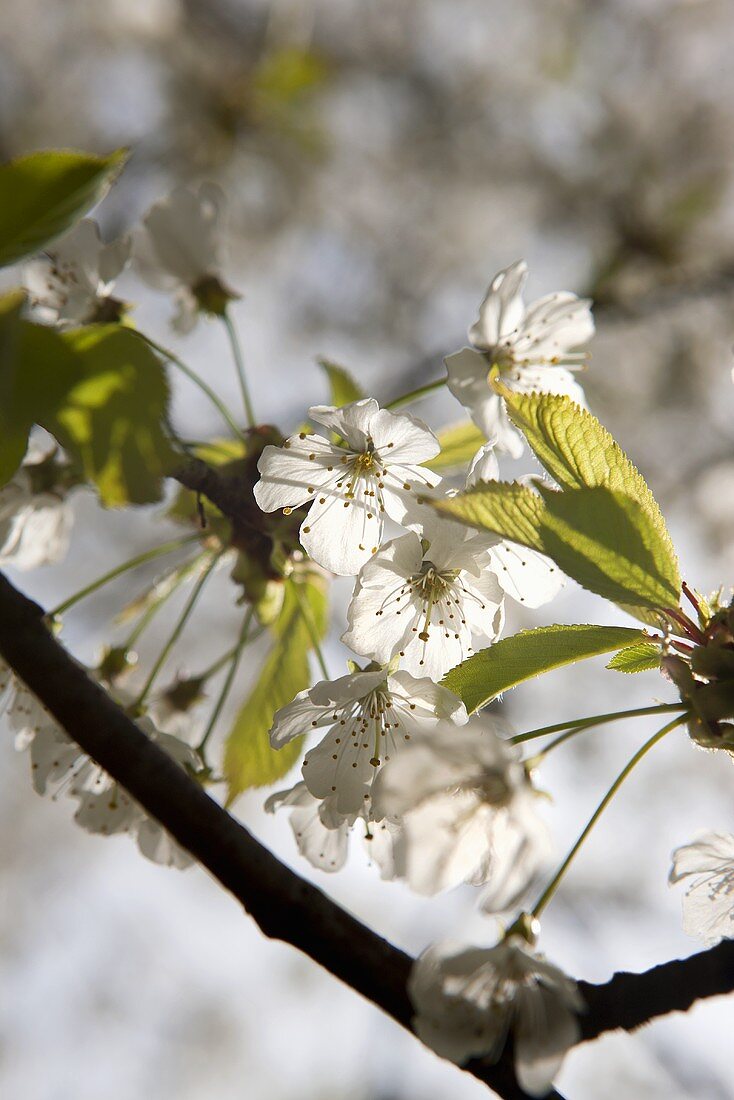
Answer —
285 906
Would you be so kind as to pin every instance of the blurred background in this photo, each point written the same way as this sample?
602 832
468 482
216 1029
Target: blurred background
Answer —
382 160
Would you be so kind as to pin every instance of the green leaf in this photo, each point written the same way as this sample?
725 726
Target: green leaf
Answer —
459 444
249 759
14 428
483 676
609 544
641 657
506 508
43 194
343 388
578 452
111 417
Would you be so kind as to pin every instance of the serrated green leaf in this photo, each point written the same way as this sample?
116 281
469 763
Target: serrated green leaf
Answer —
506 508
609 544
14 429
249 759
111 417
43 194
343 388
483 676
459 444
578 452
641 657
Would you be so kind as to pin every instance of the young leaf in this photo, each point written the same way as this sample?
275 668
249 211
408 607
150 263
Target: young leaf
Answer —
344 389
111 417
43 194
609 544
578 452
459 444
249 760
506 508
510 661
641 657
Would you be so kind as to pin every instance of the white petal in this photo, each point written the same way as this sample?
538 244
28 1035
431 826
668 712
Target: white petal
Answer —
375 628
296 719
340 766
484 466
545 1029
183 235
287 472
502 309
526 576
402 439
352 422
342 534
159 846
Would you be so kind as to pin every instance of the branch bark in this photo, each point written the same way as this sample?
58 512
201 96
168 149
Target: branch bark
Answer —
285 906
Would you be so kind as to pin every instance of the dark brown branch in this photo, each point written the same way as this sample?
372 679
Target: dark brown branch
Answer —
628 1001
284 905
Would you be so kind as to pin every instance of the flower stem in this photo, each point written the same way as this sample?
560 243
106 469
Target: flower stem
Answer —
177 630
239 363
132 563
234 657
157 603
414 395
197 380
596 720
311 628
629 766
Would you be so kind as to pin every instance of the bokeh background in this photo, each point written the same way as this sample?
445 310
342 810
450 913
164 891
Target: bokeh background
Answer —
382 159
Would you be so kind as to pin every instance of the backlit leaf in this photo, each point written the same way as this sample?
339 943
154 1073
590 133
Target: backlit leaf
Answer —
459 444
483 676
249 759
43 194
641 657
343 388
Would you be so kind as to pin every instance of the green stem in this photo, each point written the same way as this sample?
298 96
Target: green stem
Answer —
629 766
197 380
171 584
132 563
414 395
239 363
234 657
311 628
596 720
177 631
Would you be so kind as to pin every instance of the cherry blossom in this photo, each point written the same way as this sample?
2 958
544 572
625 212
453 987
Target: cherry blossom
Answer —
531 347
707 866
468 999
35 524
467 813
72 283
351 486
425 599
180 250
60 767
369 717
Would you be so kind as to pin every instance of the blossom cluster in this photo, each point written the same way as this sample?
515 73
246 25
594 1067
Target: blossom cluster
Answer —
440 797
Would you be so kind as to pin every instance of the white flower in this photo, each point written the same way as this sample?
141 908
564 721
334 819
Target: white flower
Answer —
350 486
35 527
59 766
469 999
322 834
72 283
370 716
708 866
531 347
525 575
467 813
425 599
324 846
180 250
